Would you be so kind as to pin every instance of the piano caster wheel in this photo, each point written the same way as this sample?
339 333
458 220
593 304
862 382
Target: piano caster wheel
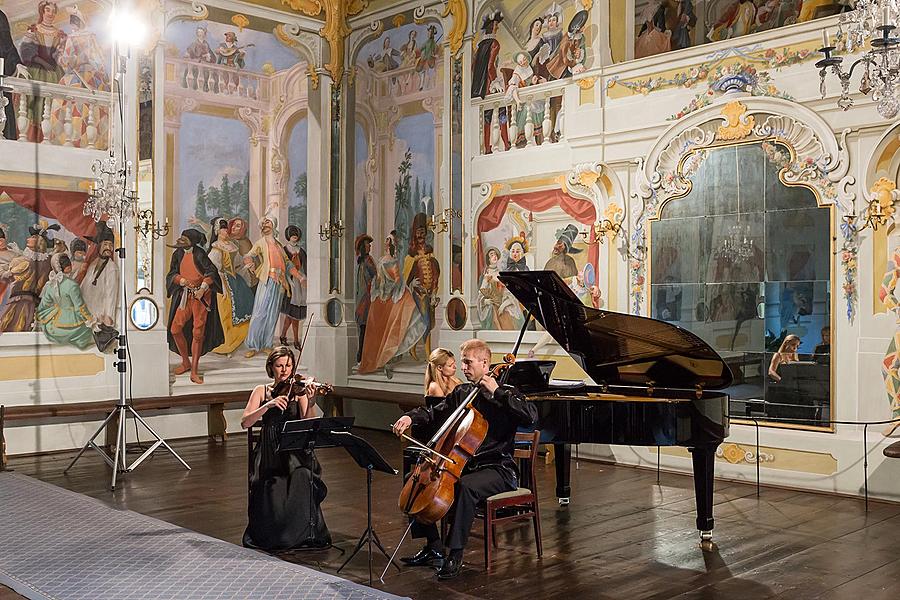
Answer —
706 543
563 501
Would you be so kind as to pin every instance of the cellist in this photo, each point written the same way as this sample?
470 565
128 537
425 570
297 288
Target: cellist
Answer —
490 471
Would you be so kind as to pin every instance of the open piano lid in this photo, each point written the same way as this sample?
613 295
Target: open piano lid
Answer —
616 348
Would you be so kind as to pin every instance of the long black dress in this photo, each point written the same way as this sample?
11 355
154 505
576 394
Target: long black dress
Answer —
286 490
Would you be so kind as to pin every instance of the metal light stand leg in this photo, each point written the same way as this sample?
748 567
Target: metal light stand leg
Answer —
123 405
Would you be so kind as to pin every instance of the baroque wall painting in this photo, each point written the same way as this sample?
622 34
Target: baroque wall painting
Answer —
531 231
236 222
64 45
663 25
58 274
399 99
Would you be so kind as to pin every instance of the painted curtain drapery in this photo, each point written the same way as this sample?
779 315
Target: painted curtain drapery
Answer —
581 210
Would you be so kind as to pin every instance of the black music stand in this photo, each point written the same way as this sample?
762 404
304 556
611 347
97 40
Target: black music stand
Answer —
329 432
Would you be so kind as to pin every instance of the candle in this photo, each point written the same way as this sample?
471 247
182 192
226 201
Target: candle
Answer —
887 15
824 38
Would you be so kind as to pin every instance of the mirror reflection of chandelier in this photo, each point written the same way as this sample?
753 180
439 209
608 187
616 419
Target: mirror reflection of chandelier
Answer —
871 22
736 247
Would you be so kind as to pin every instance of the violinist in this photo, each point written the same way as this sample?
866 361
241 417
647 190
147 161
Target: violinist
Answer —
286 488
490 471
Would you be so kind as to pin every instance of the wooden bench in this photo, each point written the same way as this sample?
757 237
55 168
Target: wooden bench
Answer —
214 401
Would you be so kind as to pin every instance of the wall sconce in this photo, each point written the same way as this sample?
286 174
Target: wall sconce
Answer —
880 206
146 226
330 230
442 225
608 227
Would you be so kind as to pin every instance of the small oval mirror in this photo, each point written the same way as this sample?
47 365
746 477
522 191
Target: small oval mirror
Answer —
456 314
144 313
334 312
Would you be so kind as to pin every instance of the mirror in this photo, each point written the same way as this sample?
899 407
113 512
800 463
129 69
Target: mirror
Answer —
334 312
456 314
743 261
456 177
144 313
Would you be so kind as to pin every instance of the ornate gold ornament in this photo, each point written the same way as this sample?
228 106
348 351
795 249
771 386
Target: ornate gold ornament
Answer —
313 76
587 4
335 30
460 13
398 20
588 178
735 453
880 205
240 21
738 125
586 83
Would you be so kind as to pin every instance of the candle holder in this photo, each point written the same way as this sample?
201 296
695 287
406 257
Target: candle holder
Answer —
331 230
146 226
443 224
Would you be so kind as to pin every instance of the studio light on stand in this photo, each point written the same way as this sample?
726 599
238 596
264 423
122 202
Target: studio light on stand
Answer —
113 198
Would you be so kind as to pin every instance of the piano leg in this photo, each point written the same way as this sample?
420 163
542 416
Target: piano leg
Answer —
704 458
563 470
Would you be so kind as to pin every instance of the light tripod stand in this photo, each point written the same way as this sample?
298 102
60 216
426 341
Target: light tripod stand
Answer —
111 198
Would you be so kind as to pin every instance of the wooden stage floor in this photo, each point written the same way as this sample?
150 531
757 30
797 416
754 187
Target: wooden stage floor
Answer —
623 537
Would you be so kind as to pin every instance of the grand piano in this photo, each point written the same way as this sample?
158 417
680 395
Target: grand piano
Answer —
653 384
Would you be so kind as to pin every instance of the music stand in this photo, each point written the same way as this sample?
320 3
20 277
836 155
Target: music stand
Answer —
329 432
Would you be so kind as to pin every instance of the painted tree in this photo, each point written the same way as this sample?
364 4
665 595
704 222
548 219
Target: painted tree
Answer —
200 210
403 207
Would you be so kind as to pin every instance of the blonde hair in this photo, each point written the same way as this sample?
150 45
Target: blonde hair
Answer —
477 346
437 359
790 338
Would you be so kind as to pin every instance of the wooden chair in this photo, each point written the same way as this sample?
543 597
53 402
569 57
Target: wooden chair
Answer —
517 505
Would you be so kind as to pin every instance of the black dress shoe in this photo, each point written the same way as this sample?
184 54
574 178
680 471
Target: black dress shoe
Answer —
425 558
450 568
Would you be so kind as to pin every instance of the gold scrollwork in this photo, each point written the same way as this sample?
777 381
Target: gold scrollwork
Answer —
335 30
586 83
460 12
738 125
735 453
313 76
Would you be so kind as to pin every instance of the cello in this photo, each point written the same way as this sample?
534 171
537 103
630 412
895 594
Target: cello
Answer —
429 491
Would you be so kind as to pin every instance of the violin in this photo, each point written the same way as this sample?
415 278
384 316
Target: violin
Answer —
428 493
297 384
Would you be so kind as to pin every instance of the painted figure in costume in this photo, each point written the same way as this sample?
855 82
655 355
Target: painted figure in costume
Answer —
27 276
365 275
497 307
12 65
200 49
272 266
192 283
293 307
569 57
101 278
561 262
229 53
40 49
681 22
62 313
485 78
237 233
84 66
235 303
522 75
653 37
890 364
553 33
422 272
409 52
8 251
428 55
738 20
395 324
78 254
390 57
517 247
538 48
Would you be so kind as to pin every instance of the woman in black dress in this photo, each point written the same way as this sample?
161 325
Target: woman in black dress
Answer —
286 488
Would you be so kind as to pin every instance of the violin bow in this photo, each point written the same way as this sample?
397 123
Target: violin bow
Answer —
305 334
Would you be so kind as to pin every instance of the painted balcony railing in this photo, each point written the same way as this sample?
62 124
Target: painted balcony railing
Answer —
228 84
48 113
398 85
535 118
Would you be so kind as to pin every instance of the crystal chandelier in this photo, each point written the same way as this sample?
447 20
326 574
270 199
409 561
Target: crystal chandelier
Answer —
736 247
872 21
110 198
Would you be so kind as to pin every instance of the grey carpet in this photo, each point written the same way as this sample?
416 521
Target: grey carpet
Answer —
56 544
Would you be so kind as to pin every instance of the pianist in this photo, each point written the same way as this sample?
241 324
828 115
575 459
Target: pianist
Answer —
787 353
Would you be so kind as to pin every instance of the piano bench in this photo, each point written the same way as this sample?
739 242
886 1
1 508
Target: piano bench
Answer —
892 451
